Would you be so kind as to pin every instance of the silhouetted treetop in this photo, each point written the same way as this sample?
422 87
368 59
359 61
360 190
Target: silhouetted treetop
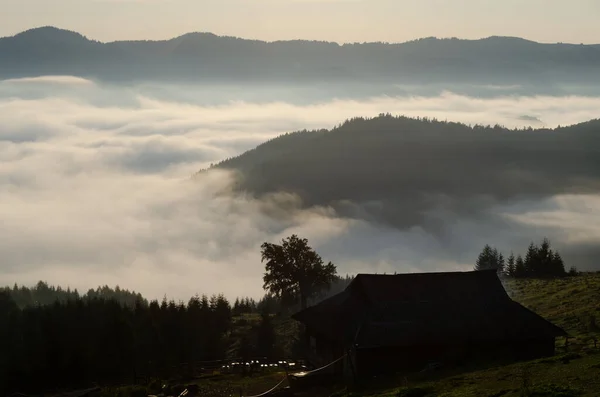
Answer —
294 271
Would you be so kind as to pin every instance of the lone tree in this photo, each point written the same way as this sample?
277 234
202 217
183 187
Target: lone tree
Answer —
294 271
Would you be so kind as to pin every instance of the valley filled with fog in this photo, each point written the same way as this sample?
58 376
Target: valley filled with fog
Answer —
95 182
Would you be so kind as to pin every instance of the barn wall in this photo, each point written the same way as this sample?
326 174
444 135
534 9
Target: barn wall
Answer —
371 361
532 349
324 351
390 359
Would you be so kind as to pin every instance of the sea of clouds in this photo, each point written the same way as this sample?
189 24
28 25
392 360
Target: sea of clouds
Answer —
95 187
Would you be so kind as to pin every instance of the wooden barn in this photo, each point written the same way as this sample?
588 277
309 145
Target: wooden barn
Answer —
405 322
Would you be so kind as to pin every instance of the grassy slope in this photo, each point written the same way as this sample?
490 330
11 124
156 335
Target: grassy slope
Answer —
569 303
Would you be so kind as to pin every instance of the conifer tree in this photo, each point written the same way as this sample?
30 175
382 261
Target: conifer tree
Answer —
557 264
520 269
510 266
489 258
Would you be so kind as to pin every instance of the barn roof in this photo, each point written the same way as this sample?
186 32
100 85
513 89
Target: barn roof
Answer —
417 307
433 287
334 316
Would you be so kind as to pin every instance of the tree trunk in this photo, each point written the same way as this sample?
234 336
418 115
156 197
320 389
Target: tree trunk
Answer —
303 330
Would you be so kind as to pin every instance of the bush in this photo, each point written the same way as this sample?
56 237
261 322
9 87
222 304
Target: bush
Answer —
570 356
573 271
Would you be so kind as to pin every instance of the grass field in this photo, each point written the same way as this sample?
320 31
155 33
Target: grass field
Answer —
572 303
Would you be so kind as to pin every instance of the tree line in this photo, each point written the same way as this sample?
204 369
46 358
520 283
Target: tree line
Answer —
540 261
55 339
79 342
44 294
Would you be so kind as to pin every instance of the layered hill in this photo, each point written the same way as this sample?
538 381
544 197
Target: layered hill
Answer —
398 169
205 57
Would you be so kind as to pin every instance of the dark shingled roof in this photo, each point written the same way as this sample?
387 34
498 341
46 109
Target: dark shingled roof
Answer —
407 309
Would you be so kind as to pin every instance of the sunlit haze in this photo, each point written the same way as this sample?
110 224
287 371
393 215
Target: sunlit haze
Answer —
573 21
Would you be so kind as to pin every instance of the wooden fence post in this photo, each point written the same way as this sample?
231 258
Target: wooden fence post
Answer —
349 354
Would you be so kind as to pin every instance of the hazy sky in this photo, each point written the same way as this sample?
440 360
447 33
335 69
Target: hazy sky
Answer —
333 20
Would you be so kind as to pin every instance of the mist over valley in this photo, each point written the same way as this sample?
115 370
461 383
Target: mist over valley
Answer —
98 188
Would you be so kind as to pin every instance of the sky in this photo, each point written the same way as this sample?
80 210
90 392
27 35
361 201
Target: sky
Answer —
551 21
94 179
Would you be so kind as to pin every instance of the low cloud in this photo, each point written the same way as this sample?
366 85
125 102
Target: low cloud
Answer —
68 80
95 187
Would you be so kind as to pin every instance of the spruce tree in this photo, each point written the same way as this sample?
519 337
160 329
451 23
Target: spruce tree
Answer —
500 262
510 266
531 261
545 258
489 258
558 266
520 269
236 311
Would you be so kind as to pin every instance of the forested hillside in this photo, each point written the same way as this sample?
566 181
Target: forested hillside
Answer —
397 168
207 57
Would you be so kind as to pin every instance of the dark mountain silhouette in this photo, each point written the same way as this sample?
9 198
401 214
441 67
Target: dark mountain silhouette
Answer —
397 169
205 57
51 51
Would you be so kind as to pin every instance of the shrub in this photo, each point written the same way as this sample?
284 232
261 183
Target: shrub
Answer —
573 271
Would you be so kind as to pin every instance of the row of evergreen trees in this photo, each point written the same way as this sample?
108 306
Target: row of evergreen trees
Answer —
267 304
540 261
80 342
53 338
44 294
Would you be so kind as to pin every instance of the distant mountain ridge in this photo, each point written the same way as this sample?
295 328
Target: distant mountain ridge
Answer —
208 57
52 30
